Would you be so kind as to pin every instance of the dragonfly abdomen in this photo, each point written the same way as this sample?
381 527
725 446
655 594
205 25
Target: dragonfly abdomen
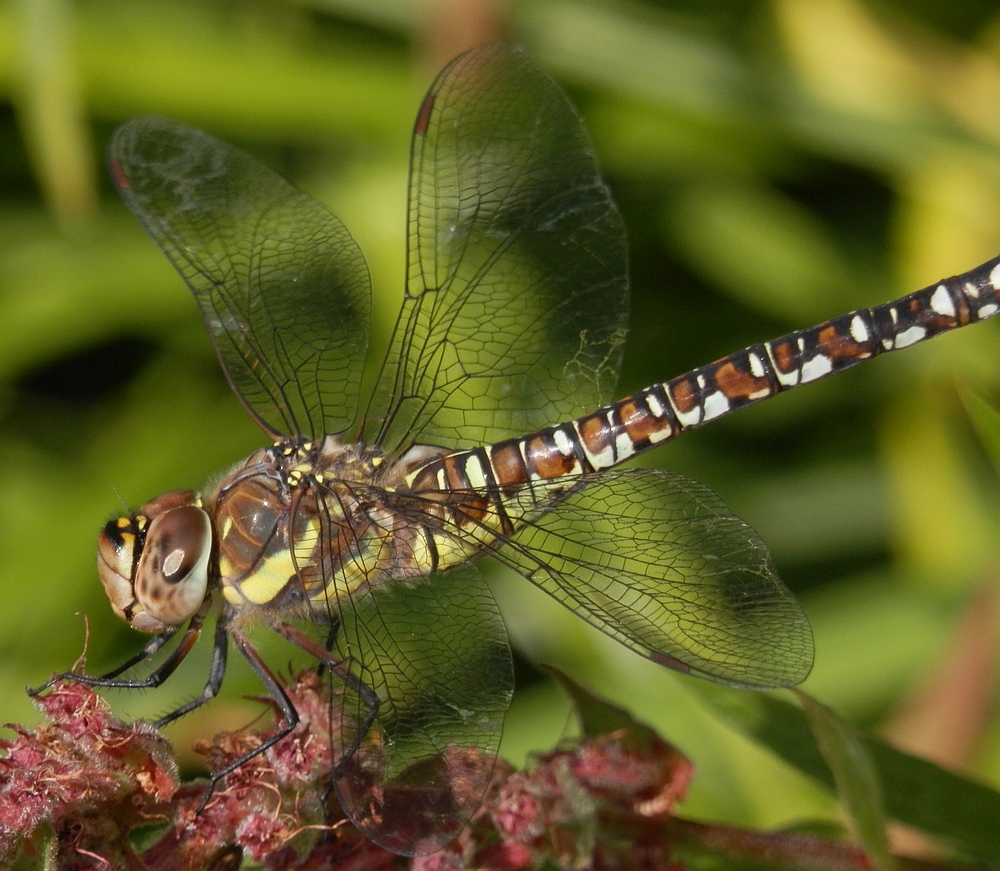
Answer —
617 432
807 355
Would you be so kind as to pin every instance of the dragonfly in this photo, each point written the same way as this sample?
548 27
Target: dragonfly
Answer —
489 431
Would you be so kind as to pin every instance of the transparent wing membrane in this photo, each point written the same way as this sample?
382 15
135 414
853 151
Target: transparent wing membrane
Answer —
435 653
282 286
517 297
658 562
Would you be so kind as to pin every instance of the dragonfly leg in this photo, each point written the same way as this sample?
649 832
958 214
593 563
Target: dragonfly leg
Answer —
216 671
277 692
151 649
331 639
331 635
368 696
191 635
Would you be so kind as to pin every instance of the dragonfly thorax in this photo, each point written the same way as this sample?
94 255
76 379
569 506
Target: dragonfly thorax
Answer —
299 521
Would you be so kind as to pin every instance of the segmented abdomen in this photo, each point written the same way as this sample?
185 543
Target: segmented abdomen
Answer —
615 433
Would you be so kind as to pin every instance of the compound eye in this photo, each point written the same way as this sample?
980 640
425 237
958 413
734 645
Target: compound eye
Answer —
116 554
172 576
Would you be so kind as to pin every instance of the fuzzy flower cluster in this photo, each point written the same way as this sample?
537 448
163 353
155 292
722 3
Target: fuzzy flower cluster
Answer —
79 789
594 803
78 785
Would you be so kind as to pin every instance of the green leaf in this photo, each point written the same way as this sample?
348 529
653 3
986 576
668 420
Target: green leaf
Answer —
854 773
915 792
596 715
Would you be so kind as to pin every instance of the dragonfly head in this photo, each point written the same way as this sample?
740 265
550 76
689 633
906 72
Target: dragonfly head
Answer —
154 563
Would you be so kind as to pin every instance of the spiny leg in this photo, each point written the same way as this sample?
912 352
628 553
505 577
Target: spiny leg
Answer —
191 635
216 672
281 697
368 696
328 642
370 699
276 691
162 672
151 649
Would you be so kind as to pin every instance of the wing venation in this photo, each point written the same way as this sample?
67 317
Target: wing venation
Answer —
282 287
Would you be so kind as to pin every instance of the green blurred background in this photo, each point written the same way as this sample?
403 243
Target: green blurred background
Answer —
777 163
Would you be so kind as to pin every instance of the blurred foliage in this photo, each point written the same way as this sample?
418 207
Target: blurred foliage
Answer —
777 163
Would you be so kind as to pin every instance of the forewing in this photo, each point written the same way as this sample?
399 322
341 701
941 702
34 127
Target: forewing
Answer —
659 563
517 297
282 287
434 652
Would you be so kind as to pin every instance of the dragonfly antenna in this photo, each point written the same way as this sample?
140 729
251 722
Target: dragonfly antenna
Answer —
114 489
